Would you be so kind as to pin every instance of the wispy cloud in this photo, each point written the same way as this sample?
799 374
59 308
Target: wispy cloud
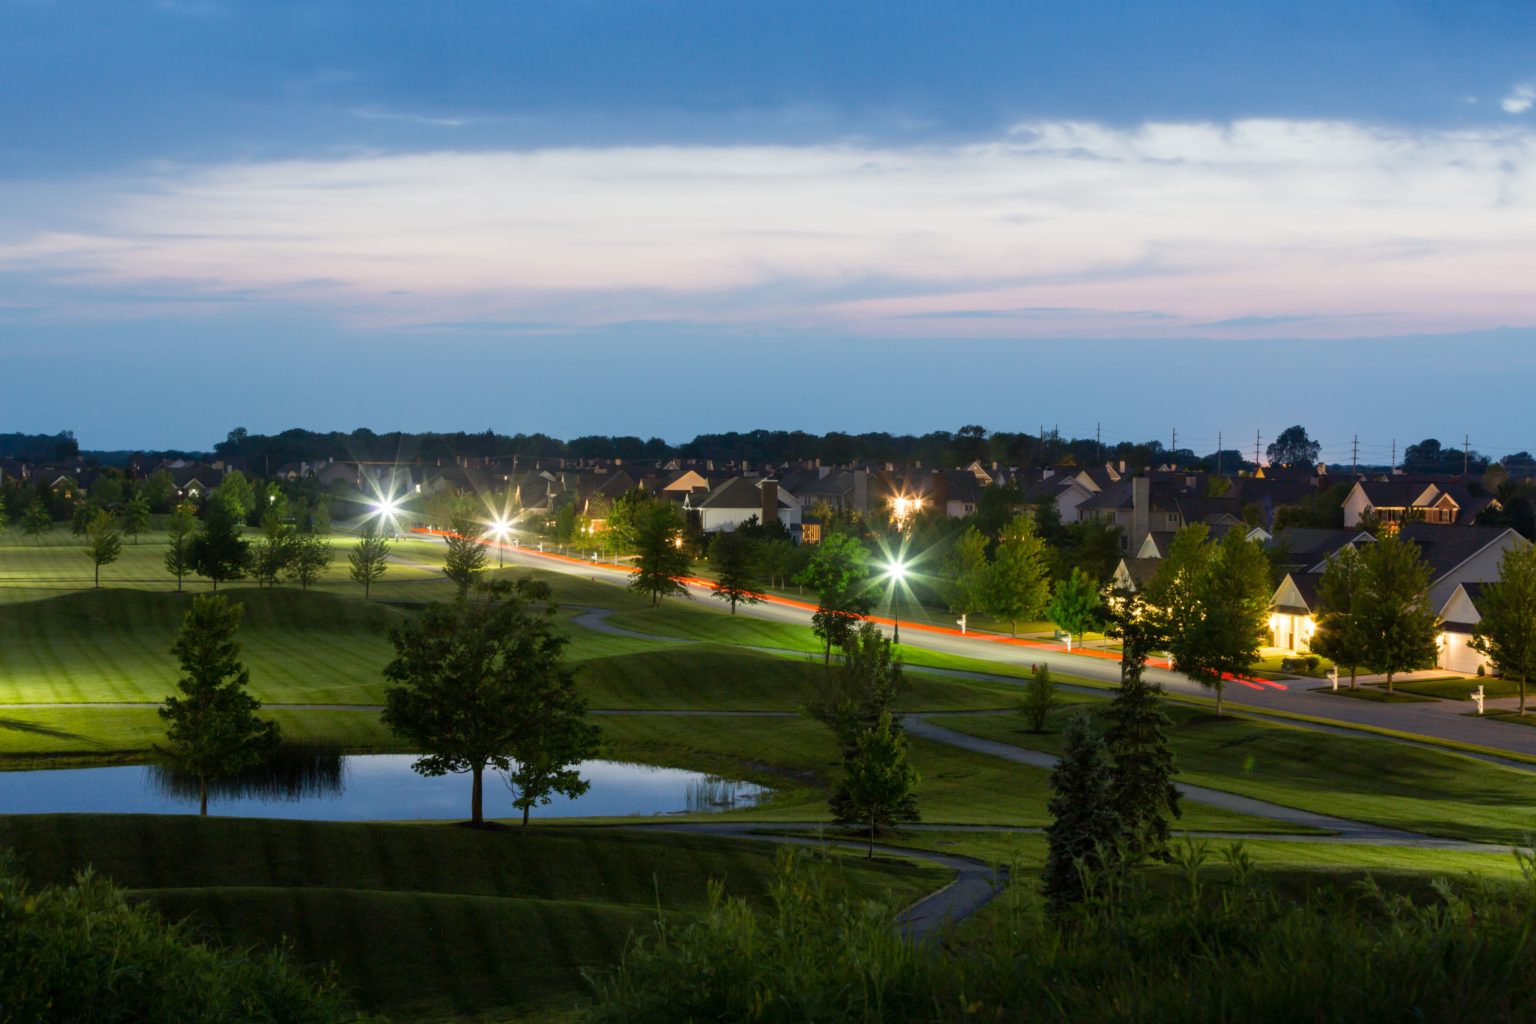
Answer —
408 117
1520 99
1162 229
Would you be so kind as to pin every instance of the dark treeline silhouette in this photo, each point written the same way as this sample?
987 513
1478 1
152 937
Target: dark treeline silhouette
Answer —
39 447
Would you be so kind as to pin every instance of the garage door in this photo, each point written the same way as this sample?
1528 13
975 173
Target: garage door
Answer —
1458 655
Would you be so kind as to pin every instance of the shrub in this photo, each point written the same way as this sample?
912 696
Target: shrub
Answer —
83 952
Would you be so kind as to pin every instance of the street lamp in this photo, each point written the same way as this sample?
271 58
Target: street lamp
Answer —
896 572
499 529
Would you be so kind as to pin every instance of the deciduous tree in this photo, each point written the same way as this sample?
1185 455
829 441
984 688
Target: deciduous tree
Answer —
660 561
218 551
851 696
1219 637
136 516
181 532
1338 635
1039 698
103 540
1507 630
965 573
236 494
879 785
213 729
1075 605
369 558
738 570
837 572
274 551
1397 624
311 555
1292 447
462 671
1018 581
466 557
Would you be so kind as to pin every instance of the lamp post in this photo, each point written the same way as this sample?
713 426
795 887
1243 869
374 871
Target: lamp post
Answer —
896 572
499 529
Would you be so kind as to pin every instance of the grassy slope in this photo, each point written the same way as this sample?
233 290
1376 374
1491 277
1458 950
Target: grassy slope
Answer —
1363 779
421 919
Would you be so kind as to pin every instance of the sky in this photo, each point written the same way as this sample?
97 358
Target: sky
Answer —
670 218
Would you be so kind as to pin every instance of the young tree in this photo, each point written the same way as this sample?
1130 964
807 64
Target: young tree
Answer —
1018 582
213 729
864 686
369 558
1225 627
462 672
36 519
467 556
552 740
1075 605
1039 698
1170 597
779 561
965 573
1142 767
837 571
1397 624
136 516
218 552
274 551
738 572
159 490
1084 828
1507 631
1338 636
310 556
236 494
182 533
879 786
660 561
103 540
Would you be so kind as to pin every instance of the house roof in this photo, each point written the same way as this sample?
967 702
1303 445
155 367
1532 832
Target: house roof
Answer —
1446 547
1140 570
1305 545
1305 584
738 493
1398 493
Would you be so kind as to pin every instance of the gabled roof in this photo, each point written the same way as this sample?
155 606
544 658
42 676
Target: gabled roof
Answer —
1305 545
1139 571
1398 493
1446 547
1297 594
739 493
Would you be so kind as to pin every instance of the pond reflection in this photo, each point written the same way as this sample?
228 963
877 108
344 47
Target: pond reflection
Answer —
294 772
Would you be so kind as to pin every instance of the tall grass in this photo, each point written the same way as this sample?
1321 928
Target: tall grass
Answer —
1199 941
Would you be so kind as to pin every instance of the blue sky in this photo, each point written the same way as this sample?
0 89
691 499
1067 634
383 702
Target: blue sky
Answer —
676 217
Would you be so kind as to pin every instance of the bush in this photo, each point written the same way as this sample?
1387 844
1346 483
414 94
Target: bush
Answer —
1154 944
84 953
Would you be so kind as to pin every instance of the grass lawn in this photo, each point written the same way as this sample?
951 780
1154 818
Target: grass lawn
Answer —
423 921
1373 692
1363 779
1459 688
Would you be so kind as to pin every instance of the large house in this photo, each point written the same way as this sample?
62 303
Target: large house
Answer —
742 498
1403 499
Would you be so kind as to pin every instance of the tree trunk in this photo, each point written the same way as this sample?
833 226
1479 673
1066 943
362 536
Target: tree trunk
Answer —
525 814
98 575
1389 684
1352 670
202 795
476 815
1522 694
1219 689
871 837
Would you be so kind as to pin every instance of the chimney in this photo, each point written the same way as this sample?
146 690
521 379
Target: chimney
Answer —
861 490
1141 511
770 492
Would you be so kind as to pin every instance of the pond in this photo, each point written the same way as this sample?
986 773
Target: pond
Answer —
361 787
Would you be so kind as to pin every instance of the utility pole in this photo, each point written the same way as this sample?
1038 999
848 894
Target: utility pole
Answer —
1466 451
1042 444
1392 470
1354 458
1098 439
1173 445
1257 437
1218 453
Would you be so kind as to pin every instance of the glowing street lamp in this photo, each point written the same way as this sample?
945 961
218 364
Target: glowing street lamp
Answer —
896 572
388 511
500 528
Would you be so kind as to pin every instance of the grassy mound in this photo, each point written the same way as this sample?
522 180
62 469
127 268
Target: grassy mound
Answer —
420 920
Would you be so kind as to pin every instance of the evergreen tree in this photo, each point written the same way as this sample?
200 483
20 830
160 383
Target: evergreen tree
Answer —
738 569
1507 631
1075 605
213 729
311 556
1338 635
1039 698
879 786
182 533
369 558
861 688
218 552
1018 582
1397 624
36 519
1084 827
1141 761
660 561
136 516
103 541
466 557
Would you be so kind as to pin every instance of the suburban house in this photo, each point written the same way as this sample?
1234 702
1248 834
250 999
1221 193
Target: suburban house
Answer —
1460 559
1141 506
1401 500
740 499
1458 617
